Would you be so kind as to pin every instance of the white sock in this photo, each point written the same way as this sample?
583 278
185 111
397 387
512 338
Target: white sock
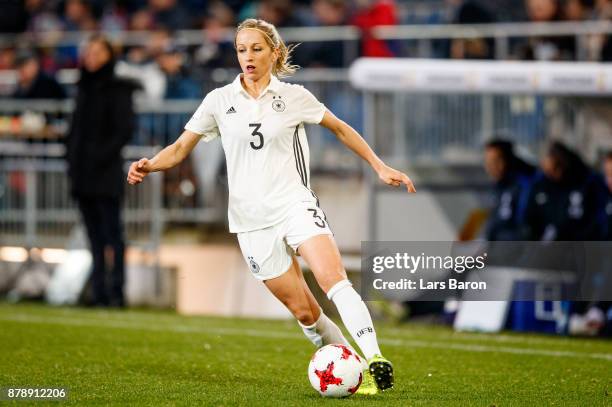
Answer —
355 316
329 331
311 333
326 332
323 332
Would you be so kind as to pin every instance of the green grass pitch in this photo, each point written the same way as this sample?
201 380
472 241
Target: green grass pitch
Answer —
159 358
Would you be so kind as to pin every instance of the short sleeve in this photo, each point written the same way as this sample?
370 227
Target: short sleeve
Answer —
311 109
203 120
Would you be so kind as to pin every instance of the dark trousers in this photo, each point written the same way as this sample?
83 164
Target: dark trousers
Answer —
102 218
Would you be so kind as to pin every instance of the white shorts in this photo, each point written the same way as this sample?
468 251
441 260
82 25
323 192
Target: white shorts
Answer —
268 252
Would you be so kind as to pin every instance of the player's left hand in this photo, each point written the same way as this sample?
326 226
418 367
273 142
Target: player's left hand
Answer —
395 178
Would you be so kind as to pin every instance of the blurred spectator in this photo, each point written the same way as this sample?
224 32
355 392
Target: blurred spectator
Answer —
594 317
278 12
45 22
102 123
598 318
607 168
579 10
566 202
512 177
603 10
170 14
370 14
606 50
7 58
543 10
142 20
546 48
141 64
219 16
501 10
328 53
32 82
148 74
179 84
158 41
217 49
42 16
78 16
473 48
330 12
114 17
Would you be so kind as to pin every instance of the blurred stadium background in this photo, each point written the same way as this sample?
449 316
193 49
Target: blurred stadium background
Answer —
180 255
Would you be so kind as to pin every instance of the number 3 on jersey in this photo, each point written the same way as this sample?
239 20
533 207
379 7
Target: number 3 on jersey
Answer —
255 133
318 220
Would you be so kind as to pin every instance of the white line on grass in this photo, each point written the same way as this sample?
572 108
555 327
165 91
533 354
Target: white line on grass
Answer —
25 318
415 332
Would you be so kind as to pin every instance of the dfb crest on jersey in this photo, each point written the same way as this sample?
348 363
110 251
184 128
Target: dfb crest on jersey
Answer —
278 104
253 265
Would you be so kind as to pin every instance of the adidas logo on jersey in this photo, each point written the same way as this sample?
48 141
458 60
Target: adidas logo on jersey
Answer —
231 110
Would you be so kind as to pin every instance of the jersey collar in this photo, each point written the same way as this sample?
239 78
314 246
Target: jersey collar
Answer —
273 86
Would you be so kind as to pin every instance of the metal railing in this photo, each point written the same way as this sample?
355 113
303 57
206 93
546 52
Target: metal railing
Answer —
36 209
446 129
350 36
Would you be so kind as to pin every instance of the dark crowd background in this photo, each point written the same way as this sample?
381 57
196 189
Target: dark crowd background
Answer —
162 18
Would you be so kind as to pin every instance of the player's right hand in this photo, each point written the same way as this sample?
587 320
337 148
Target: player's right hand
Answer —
138 170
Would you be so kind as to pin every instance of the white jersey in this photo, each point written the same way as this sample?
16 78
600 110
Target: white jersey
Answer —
265 148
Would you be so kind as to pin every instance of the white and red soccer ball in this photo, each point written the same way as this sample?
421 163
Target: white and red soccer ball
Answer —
335 371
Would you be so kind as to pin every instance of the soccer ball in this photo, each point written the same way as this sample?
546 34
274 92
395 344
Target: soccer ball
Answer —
335 371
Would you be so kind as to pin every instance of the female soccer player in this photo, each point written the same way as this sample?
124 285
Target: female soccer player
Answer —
271 207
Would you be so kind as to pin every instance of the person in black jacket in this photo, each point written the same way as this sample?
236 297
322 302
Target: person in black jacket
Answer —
102 123
599 316
598 319
566 206
565 202
512 177
607 168
602 321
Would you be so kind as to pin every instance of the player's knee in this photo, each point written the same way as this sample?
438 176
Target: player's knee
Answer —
331 278
300 309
